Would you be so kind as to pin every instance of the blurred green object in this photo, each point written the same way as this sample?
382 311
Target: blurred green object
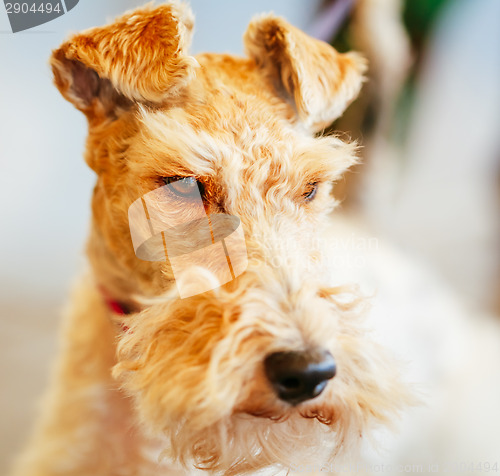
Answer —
419 16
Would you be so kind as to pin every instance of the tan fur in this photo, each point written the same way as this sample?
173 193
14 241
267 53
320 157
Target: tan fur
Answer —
186 378
320 81
142 53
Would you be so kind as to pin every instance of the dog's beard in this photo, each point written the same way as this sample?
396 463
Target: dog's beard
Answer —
194 367
242 443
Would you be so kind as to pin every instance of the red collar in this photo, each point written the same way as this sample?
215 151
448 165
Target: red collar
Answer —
116 307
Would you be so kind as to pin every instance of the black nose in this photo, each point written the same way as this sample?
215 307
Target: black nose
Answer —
299 376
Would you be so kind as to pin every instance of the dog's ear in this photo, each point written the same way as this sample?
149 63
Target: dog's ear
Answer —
318 80
141 56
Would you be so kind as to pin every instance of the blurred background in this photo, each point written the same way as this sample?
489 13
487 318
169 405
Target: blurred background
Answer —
428 119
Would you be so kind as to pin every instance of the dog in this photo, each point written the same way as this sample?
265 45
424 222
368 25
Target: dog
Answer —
213 332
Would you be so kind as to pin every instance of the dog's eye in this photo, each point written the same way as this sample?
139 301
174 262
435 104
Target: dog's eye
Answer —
184 186
311 191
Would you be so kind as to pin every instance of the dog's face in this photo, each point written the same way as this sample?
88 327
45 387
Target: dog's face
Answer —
241 376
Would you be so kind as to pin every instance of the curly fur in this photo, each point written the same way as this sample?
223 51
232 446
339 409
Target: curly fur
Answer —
186 379
195 370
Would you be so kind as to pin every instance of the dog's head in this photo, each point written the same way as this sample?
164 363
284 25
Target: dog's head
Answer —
239 376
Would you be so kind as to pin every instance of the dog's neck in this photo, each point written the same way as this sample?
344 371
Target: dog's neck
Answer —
115 283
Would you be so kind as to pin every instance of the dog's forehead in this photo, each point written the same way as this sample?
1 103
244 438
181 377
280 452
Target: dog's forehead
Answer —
202 140
175 141
237 78
231 94
228 108
230 118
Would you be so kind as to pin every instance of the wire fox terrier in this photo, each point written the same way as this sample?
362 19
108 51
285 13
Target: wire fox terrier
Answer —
207 335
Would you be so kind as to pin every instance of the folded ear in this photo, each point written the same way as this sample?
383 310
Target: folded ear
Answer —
141 56
320 81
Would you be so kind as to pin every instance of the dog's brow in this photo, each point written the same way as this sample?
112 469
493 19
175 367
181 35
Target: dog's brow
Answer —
169 138
325 158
